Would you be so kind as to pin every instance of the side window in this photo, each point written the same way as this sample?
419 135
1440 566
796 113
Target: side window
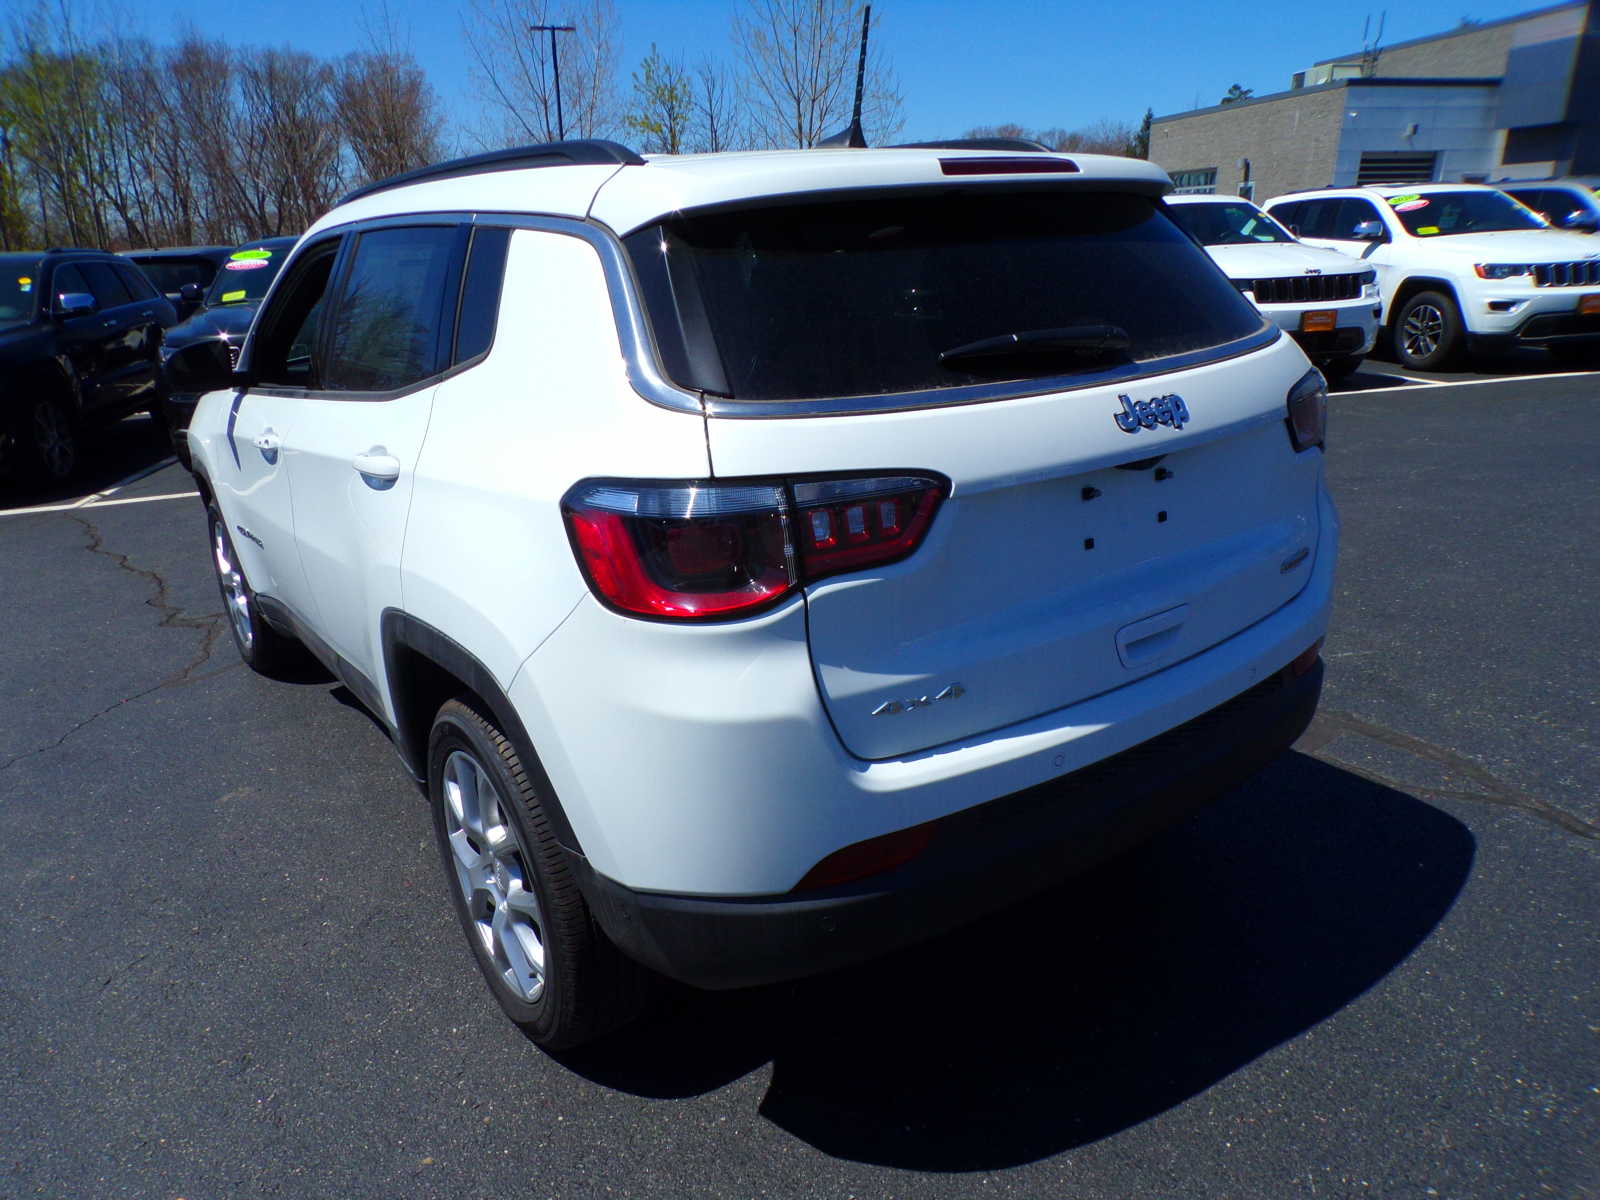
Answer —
1356 209
285 353
480 293
133 279
69 279
1288 215
1316 220
103 282
392 323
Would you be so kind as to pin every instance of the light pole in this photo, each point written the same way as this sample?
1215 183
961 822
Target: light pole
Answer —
555 62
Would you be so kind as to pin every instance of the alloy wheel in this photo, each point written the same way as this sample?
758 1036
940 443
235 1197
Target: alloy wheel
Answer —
492 872
1423 331
52 437
234 593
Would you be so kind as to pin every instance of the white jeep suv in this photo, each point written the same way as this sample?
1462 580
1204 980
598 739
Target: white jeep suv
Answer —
1460 266
1326 301
765 560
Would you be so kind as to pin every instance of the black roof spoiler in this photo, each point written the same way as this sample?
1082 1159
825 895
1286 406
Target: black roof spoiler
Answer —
578 152
1026 145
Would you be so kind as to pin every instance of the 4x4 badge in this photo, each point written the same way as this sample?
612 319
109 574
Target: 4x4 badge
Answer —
1168 410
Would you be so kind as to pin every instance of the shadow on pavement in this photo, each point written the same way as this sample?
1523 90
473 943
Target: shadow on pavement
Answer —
1119 995
106 456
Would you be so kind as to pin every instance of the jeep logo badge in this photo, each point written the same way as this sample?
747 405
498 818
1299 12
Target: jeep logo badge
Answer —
1168 410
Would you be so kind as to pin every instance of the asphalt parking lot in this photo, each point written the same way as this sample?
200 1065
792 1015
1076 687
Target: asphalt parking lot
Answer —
229 967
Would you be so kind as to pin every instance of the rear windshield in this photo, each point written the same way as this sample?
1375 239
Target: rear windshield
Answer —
19 289
860 297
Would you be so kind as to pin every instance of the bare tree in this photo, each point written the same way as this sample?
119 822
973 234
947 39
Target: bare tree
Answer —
289 170
513 69
387 112
718 120
1103 137
799 60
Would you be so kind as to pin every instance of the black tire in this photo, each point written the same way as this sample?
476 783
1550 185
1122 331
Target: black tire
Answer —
264 650
47 436
1428 332
583 986
1336 370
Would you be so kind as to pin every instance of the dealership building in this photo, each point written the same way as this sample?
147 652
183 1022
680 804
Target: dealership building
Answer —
1517 98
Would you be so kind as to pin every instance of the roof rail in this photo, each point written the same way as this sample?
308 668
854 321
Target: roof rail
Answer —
978 143
71 250
584 152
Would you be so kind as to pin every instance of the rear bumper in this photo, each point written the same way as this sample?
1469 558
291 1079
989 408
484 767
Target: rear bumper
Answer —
981 859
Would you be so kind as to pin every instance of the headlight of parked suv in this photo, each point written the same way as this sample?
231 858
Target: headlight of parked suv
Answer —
1369 284
1502 270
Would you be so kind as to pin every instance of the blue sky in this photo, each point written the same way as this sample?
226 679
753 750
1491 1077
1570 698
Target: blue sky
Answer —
959 65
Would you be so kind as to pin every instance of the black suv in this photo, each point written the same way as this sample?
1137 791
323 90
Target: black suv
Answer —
80 344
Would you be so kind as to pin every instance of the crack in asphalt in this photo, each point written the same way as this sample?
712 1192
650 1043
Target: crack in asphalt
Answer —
1329 724
172 617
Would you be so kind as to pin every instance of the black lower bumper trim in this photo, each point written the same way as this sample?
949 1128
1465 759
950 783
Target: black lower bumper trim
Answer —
981 859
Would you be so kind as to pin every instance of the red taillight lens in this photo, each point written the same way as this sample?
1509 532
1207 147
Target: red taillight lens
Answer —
1308 411
716 550
847 524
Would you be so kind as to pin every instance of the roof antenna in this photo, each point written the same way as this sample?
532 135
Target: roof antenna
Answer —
852 136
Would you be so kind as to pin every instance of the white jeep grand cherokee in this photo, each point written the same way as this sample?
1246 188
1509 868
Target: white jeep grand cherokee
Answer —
1326 301
1460 266
766 560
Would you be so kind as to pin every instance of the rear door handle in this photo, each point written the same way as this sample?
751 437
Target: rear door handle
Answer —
267 440
377 463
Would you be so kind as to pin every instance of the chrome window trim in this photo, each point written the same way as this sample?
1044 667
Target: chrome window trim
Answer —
646 377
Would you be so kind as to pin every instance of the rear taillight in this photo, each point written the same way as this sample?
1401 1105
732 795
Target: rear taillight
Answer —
708 550
1308 411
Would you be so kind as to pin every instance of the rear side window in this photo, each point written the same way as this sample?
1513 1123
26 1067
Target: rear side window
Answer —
862 296
390 327
480 293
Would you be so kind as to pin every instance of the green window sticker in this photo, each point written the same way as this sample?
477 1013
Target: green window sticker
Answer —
1397 201
230 297
242 255
1426 230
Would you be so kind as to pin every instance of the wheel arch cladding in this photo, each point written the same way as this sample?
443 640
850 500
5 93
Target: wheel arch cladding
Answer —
425 669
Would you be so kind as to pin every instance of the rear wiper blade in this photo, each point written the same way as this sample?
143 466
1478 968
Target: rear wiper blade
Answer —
1087 340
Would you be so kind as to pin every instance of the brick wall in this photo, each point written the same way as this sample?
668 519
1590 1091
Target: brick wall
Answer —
1292 141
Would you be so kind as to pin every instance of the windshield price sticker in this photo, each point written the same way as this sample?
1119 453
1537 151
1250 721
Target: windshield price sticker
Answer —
248 264
250 255
230 297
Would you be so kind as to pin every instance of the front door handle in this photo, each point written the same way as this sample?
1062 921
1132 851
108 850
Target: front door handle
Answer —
377 464
267 442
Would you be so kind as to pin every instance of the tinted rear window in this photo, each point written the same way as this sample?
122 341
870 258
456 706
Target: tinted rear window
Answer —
859 297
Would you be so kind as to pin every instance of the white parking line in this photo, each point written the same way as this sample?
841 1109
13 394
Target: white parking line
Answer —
100 496
1442 383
